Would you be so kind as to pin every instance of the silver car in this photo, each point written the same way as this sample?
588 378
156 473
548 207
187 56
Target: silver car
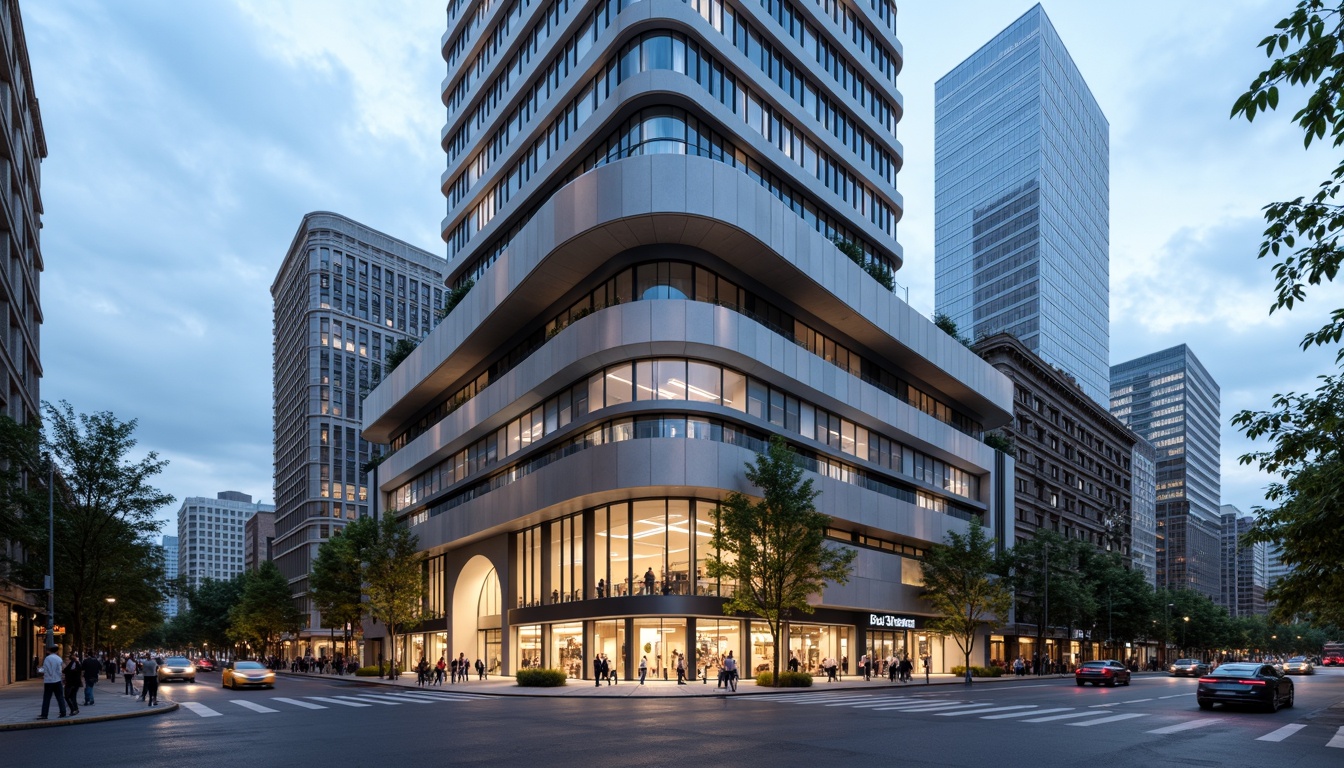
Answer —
1299 665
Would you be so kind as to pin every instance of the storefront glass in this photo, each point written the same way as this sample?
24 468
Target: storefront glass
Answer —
649 545
609 639
567 648
529 646
714 638
488 645
566 568
658 640
762 650
883 646
811 643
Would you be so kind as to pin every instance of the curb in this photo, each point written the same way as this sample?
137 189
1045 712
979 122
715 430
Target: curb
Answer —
172 706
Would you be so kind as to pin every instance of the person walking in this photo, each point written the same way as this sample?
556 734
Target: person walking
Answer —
611 672
110 667
599 671
440 670
643 666
1019 667
128 670
648 581
681 669
51 683
906 668
92 669
74 678
480 669
866 663
730 671
463 667
150 689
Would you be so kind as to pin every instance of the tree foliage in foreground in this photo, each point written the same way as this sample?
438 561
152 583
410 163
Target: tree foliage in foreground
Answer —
961 585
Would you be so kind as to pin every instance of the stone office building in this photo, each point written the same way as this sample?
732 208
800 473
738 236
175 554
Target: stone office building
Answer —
649 220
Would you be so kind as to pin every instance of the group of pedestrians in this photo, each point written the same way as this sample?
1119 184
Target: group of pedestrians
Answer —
458 669
65 679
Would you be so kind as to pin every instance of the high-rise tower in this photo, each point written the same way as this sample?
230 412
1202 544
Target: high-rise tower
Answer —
679 218
1022 201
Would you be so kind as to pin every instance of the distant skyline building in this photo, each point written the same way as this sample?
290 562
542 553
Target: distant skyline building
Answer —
1243 567
1143 503
210 535
169 547
1169 398
1022 201
258 538
1275 568
343 297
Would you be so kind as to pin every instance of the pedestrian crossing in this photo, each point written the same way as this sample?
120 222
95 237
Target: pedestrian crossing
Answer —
1078 717
334 701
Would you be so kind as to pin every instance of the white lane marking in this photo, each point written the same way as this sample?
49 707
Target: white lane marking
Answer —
1111 719
1135 701
1177 696
1060 717
372 700
1338 741
922 707
1282 733
326 700
1188 725
396 699
1097 706
201 709
253 707
297 703
883 701
1024 714
983 710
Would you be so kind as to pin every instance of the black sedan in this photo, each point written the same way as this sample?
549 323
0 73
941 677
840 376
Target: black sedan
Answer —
1239 683
1108 672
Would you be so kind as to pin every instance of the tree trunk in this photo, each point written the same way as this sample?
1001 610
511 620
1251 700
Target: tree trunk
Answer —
776 630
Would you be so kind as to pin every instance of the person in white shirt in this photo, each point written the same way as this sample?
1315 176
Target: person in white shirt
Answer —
51 683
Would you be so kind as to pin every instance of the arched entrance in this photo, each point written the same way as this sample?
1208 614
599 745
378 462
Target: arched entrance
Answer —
477 612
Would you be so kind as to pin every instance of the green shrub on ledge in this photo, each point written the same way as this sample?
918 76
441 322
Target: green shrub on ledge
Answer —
960 671
541 678
786 680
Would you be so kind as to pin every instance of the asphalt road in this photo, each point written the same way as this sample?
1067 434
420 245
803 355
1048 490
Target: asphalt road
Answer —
1154 722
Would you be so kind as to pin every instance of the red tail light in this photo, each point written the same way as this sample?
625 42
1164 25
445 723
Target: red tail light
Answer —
1251 682
1078 671
1107 672
1208 679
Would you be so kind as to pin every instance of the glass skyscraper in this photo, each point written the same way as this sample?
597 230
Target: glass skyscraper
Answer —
1170 399
1022 201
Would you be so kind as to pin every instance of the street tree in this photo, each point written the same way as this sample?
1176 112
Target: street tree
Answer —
1303 234
774 547
393 578
962 588
335 583
1046 583
265 610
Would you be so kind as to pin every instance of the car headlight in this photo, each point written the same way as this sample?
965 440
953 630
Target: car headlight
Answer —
191 670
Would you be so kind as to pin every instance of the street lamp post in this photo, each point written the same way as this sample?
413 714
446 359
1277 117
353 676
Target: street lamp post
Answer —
112 609
1184 628
51 553
1166 633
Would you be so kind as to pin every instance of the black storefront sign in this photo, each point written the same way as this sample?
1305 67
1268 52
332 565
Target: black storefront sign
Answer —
894 621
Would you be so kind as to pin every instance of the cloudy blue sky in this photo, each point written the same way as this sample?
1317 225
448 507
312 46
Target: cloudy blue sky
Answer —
187 139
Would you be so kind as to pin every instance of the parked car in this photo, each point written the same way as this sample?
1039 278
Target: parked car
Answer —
177 668
1188 668
205 665
1299 665
1108 672
238 674
1332 661
1243 683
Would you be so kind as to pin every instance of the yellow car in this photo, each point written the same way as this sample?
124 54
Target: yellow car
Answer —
241 674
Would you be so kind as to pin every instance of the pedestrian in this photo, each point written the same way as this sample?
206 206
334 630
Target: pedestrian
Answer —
643 664
648 581
601 588
480 669
149 668
867 664
730 671
1019 666
51 683
598 670
110 667
92 669
128 670
421 672
893 669
681 669
611 671
463 667
440 670
74 677
906 668
793 662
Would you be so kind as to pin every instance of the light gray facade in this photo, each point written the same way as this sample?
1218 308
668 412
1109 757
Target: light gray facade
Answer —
210 536
1143 503
1244 567
343 297
657 292
1022 201
170 552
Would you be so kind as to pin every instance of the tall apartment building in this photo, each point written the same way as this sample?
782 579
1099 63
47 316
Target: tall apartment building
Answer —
648 215
1243 567
1022 201
1143 504
1170 399
1275 568
258 538
22 612
210 535
343 297
170 550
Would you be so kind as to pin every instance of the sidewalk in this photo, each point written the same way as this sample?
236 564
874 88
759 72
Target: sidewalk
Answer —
506 686
20 703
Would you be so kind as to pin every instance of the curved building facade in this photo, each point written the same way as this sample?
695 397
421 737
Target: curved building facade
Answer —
680 221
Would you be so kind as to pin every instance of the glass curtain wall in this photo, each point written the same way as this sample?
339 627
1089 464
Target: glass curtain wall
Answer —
713 640
609 640
658 640
566 569
529 646
811 643
567 648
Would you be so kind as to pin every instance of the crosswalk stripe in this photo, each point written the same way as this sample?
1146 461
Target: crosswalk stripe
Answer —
252 706
1135 701
1024 714
1099 706
396 699
297 703
881 702
327 700
983 710
201 709
370 699
1282 733
848 702
1188 725
1338 741
417 696
922 707
1052 718
1111 719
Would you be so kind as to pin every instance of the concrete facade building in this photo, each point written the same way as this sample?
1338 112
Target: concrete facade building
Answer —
170 550
1022 201
648 216
22 612
1244 567
1170 399
258 538
210 535
344 296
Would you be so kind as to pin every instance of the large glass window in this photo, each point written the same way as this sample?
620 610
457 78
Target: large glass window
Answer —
529 567
649 545
762 650
713 640
567 648
678 578
811 643
529 646
566 566
609 640
659 642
